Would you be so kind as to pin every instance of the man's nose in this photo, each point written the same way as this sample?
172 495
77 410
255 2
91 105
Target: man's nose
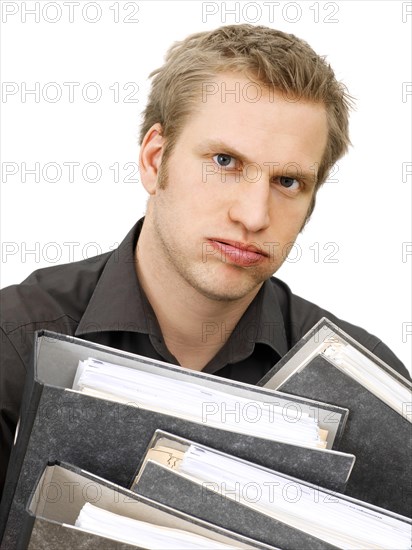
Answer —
250 204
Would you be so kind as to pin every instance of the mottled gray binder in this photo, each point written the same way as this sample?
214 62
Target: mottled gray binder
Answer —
161 478
49 519
109 438
379 437
168 487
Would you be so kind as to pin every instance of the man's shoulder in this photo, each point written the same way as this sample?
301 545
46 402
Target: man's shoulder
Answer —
51 293
300 316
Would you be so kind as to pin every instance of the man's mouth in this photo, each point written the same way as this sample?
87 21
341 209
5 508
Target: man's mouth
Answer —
242 254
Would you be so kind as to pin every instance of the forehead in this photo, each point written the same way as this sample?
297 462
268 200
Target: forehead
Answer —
261 122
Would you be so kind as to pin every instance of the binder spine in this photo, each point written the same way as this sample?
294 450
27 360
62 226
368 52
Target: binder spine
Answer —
25 533
31 396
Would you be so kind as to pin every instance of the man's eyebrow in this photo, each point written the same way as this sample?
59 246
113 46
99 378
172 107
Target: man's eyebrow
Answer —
218 146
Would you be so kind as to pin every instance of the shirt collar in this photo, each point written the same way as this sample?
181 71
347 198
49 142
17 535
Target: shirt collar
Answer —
262 323
118 303
271 326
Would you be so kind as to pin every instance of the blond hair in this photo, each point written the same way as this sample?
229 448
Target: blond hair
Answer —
273 58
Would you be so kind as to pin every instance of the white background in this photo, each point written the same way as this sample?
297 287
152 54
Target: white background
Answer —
349 258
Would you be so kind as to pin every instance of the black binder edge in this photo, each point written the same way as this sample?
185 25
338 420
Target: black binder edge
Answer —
31 396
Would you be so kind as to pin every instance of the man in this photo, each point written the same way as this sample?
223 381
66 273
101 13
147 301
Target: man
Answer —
232 179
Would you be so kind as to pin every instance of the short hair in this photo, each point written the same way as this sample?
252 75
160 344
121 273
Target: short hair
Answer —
270 57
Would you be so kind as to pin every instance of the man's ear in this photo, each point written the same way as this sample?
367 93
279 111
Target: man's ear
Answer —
150 157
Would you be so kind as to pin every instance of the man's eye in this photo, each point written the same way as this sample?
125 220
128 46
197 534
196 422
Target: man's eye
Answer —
225 161
289 183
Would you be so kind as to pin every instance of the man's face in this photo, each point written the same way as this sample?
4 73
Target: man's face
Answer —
240 180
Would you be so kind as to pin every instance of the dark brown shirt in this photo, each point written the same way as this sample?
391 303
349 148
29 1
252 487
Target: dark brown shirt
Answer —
100 299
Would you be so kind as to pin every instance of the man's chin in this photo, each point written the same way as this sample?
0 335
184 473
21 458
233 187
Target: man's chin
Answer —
224 282
221 296
229 291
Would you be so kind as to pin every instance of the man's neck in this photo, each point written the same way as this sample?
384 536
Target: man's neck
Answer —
194 327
